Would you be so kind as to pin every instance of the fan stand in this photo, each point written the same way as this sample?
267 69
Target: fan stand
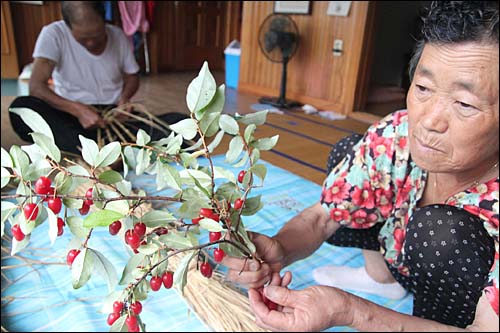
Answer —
281 102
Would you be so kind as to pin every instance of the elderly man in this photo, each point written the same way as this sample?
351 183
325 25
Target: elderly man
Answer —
92 66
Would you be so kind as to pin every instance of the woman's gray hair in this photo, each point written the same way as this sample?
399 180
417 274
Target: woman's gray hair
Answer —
450 22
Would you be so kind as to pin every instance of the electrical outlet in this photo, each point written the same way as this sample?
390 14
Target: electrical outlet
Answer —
338 47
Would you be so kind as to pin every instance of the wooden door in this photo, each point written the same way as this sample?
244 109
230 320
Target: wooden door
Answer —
199 34
10 66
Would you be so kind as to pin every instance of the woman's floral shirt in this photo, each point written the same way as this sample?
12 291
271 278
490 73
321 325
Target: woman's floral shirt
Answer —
381 184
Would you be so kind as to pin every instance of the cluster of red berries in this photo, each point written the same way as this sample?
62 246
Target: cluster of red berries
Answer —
84 210
43 186
167 279
131 320
133 237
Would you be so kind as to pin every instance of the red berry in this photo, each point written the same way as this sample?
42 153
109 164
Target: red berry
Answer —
112 317
168 279
155 283
117 306
60 226
131 322
71 256
30 211
42 185
219 255
206 212
88 195
55 205
214 236
115 227
85 208
136 307
161 231
241 175
140 229
196 220
238 203
17 232
132 239
206 270
215 217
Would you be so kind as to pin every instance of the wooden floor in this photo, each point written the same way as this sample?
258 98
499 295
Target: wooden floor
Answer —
305 140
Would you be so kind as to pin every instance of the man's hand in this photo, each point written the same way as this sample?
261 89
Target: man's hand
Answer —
251 273
88 116
310 310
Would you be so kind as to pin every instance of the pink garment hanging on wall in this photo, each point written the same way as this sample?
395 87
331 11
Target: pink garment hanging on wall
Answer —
133 15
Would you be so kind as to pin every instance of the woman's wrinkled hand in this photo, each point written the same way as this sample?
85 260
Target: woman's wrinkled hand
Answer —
252 273
309 310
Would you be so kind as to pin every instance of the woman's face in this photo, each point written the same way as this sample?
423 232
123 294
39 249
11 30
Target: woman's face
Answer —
453 107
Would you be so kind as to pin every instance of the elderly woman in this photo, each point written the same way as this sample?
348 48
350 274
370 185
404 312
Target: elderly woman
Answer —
423 183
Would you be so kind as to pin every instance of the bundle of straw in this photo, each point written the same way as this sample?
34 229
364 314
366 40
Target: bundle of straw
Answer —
121 124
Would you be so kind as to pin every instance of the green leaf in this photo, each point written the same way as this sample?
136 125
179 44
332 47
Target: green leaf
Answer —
108 154
34 152
242 162
120 206
5 175
255 156
157 218
82 268
6 159
231 250
256 118
210 225
188 176
90 150
201 90
249 131
259 170
175 241
265 143
132 264
20 159
143 158
220 172
34 121
75 224
174 146
243 233
110 177
235 149
73 203
180 274
186 127
36 169
167 176
47 146
216 104
148 249
252 205
105 268
209 124
102 218
228 124
52 226
8 208
63 183
19 246
142 138
215 142
229 191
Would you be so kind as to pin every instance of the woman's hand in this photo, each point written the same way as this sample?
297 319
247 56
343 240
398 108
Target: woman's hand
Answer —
252 273
310 310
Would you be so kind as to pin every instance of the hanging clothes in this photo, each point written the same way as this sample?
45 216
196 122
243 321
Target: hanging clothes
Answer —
133 15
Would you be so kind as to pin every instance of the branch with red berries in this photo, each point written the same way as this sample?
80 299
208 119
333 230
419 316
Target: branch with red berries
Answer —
205 199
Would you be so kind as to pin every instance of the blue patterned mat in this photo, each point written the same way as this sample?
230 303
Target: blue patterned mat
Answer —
40 297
